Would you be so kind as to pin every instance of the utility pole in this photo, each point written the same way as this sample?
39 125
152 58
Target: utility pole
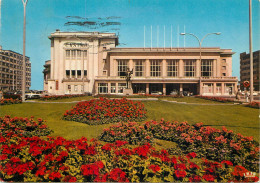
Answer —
24 64
251 52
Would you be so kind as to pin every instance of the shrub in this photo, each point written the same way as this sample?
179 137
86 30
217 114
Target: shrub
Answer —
103 111
13 96
23 127
218 99
254 105
10 101
131 132
57 97
212 143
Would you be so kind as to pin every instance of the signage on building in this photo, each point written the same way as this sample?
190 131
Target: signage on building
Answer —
75 45
57 85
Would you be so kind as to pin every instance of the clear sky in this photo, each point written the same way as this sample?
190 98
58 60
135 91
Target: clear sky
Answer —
230 17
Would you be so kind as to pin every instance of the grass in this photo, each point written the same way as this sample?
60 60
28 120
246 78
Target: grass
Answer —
238 118
195 100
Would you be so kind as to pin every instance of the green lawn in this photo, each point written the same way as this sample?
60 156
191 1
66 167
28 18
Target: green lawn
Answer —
238 118
194 100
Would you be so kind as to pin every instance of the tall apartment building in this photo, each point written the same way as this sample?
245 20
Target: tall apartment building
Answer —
11 69
245 69
91 62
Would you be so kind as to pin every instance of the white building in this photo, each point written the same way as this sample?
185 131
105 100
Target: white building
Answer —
90 62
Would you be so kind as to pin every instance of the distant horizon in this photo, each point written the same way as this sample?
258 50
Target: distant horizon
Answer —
127 19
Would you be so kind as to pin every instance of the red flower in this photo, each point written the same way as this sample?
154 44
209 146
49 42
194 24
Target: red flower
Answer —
180 166
229 163
118 175
195 178
191 155
208 177
54 175
180 173
193 165
91 169
155 168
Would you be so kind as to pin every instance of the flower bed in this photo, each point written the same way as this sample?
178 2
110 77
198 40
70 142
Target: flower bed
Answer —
13 96
131 132
254 105
57 97
10 101
23 126
103 110
212 143
32 159
218 99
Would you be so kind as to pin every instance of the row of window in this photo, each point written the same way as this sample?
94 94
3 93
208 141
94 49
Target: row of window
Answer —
208 88
103 88
172 68
76 73
76 54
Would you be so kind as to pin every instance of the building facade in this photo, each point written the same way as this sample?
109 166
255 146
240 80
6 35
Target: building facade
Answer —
91 62
11 70
245 69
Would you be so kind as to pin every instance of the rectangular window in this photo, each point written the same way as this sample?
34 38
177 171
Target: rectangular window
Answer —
224 60
206 68
121 87
67 73
113 87
223 67
73 53
78 73
139 68
104 72
67 53
69 87
218 88
78 54
207 88
73 73
172 68
85 73
189 68
102 88
85 53
75 87
223 74
155 66
122 67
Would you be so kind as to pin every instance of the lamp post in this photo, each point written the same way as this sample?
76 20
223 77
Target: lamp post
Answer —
251 53
200 41
24 65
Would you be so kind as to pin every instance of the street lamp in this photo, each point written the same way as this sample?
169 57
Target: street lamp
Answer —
251 52
200 41
24 65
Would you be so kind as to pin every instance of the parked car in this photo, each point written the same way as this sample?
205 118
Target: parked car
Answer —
174 92
187 93
141 92
32 95
156 93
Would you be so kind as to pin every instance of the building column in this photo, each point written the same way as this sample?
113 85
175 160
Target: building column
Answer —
164 88
200 88
116 88
147 68
214 88
235 89
147 88
164 68
198 68
214 68
131 64
181 68
222 88
181 88
96 88
109 88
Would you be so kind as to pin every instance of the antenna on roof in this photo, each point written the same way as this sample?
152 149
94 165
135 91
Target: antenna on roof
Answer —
151 36
164 36
184 36
144 36
178 32
171 36
157 35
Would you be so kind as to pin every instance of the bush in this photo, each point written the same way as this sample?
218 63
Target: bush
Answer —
254 105
218 99
32 159
131 132
13 96
57 97
23 127
103 110
212 143
10 101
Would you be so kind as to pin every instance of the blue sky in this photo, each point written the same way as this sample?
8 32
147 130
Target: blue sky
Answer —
230 17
